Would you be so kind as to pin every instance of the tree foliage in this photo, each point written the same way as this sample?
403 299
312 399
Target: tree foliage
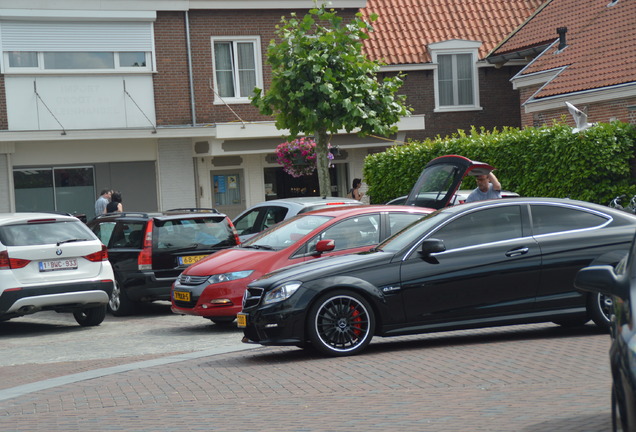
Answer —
322 83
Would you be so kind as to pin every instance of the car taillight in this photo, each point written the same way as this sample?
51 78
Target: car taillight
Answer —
102 255
144 260
7 263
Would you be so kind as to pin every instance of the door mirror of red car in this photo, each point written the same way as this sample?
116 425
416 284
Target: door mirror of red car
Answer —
325 246
431 246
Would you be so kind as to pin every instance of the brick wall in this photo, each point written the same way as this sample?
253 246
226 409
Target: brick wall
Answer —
172 97
499 101
623 110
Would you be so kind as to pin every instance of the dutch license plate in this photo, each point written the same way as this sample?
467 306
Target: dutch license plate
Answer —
241 319
63 264
188 260
182 296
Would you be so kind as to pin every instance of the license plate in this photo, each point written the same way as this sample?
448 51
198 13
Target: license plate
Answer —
241 319
182 296
188 260
53 265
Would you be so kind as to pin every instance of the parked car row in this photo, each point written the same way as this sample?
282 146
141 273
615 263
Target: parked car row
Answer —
214 287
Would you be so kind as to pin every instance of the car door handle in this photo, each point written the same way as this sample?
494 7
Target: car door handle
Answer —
517 252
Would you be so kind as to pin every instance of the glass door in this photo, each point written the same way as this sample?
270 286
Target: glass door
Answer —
228 191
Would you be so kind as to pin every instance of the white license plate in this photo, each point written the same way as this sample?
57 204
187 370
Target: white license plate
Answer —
63 264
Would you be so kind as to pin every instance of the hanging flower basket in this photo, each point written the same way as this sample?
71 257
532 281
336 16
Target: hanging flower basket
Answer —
298 157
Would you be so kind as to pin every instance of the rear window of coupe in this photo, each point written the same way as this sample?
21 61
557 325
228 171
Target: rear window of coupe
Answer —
548 219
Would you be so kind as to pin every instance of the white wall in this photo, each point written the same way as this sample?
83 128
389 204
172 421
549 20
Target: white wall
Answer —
79 102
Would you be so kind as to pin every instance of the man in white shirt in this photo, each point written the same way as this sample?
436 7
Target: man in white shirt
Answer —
488 187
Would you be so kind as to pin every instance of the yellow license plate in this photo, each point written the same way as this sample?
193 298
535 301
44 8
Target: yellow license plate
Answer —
188 260
182 296
241 319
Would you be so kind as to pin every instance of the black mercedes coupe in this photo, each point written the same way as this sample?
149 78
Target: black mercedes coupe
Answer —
488 263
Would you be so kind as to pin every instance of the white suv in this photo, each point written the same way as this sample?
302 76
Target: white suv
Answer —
52 262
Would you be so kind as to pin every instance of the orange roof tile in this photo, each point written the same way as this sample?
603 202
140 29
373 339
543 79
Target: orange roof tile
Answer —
601 41
405 27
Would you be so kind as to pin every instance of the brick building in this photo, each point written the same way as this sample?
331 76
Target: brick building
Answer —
577 52
152 98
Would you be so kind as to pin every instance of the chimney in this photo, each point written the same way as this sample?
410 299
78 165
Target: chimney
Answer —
562 31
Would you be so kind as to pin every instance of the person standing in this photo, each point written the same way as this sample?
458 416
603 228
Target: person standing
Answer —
355 190
102 202
488 187
115 204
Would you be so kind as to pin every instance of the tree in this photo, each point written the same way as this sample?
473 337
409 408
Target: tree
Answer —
322 83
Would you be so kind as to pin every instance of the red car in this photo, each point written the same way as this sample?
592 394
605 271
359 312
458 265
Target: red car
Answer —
213 287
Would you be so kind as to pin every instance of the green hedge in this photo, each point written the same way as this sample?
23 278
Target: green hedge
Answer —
593 165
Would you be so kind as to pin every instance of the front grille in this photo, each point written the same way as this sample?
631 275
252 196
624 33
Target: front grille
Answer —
192 280
186 305
252 297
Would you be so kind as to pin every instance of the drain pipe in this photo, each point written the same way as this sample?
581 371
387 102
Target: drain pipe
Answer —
190 78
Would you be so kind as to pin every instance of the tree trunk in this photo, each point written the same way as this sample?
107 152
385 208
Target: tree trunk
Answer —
322 163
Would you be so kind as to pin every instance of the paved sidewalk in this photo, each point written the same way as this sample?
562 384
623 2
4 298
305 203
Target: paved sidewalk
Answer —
523 378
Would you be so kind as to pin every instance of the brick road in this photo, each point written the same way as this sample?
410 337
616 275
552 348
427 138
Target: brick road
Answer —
521 378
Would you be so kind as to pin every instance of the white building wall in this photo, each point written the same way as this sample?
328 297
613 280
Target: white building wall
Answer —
176 174
5 184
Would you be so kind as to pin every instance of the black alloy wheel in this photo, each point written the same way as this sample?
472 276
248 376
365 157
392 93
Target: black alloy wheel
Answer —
340 323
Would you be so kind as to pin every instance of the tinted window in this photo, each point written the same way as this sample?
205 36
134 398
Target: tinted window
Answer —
43 233
194 232
351 233
550 219
120 234
483 226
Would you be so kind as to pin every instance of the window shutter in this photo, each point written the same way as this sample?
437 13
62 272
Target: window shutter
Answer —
59 36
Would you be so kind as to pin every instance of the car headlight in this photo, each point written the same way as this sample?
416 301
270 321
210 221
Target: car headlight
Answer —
281 293
225 277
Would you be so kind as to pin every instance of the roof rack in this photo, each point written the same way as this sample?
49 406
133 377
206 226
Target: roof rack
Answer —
192 210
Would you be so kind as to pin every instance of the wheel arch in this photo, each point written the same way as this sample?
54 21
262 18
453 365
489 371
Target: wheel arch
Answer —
368 291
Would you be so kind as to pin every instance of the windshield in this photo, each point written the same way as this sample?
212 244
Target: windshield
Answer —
434 185
287 232
411 233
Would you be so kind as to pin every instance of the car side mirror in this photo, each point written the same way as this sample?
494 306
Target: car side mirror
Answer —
602 279
325 246
431 246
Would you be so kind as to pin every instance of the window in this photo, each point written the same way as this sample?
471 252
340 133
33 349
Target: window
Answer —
483 226
237 69
62 189
456 82
455 79
91 43
30 62
351 233
548 219
398 221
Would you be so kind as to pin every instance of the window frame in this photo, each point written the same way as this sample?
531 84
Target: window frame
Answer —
235 40
455 48
40 68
